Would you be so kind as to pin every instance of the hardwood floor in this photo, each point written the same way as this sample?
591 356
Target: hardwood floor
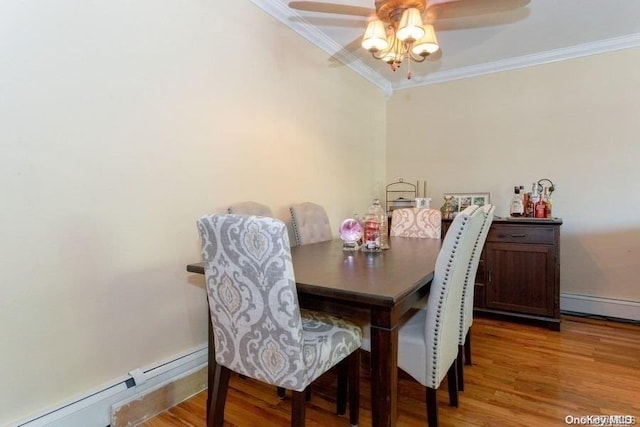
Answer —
521 376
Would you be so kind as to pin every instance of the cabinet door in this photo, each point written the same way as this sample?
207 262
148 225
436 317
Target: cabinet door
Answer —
520 278
479 288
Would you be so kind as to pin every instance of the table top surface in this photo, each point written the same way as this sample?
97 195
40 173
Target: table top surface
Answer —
380 278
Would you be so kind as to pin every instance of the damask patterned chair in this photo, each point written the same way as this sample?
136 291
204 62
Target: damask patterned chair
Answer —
414 222
259 329
310 223
466 311
250 208
428 342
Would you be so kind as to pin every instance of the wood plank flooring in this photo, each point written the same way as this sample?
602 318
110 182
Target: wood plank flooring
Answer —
521 376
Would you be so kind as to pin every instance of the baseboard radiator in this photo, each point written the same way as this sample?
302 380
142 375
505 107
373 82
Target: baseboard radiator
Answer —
597 306
94 409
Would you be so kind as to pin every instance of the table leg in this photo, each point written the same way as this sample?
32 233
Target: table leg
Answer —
384 376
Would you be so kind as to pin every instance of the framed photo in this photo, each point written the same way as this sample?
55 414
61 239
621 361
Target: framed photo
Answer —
461 201
423 202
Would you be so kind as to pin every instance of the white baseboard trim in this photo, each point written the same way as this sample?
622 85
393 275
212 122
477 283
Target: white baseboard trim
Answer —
144 406
93 409
608 307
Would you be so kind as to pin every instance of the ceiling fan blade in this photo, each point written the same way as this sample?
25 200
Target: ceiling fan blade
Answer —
327 21
451 9
338 9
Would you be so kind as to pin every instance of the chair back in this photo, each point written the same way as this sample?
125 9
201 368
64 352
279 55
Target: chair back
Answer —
252 298
466 310
310 223
250 208
442 324
415 222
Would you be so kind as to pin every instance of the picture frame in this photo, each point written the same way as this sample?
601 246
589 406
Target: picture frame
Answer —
423 202
462 200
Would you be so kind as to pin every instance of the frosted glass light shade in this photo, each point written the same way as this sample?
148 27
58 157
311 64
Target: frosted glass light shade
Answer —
428 44
410 28
375 36
394 52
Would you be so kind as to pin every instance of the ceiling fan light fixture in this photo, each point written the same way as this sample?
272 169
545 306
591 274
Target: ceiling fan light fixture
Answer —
426 45
392 57
394 54
375 36
410 28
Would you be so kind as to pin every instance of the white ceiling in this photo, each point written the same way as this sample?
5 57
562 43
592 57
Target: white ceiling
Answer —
534 32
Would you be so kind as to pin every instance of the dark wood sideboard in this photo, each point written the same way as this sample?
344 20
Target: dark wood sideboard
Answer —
519 271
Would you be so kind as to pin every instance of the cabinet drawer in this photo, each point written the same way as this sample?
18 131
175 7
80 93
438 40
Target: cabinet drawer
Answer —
522 234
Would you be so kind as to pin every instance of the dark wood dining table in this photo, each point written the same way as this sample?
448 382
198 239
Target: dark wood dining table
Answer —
382 285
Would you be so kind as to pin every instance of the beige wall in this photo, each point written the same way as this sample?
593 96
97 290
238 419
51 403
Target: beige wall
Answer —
575 122
122 123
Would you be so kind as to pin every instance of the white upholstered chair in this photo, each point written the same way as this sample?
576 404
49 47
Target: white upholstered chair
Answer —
466 318
428 341
259 329
416 222
310 223
250 208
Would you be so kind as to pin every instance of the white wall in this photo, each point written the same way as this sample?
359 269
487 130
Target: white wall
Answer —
122 123
574 122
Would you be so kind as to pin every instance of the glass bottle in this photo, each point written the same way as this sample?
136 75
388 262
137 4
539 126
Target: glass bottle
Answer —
535 194
535 198
540 208
384 226
376 235
528 205
548 203
517 208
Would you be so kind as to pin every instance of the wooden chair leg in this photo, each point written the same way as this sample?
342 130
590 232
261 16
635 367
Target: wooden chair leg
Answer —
282 393
217 397
343 370
459 364
354 387
467 348
452 384
211 372
432 408
297 408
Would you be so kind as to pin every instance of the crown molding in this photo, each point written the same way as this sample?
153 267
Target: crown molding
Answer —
578 51
279 10
283 13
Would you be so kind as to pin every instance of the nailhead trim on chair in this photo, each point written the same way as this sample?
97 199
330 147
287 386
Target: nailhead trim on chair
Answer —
295 227
445 281
470 281
464 291
310 223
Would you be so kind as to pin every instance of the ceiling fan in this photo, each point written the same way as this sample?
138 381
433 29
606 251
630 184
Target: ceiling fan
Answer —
403 30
